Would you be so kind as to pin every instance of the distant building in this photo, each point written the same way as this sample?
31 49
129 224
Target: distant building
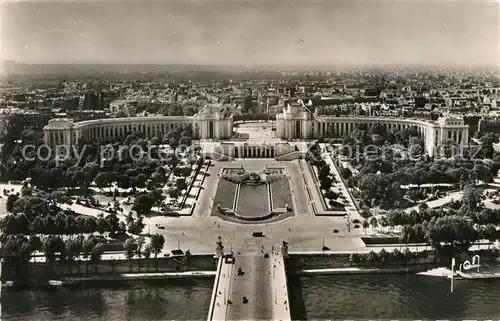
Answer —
123 105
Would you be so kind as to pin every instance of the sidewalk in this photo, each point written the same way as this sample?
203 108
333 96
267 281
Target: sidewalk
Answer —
281 310
220 305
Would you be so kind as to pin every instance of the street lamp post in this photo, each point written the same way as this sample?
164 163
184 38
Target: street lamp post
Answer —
348 218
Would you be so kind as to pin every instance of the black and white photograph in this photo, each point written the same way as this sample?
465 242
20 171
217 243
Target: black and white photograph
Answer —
249 160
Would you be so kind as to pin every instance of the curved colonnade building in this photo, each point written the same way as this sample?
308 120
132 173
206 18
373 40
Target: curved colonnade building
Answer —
214 122
296 122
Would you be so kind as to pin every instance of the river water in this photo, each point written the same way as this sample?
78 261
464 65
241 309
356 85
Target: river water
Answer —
318 297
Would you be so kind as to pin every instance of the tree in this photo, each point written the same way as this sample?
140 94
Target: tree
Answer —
157 243
383 255
406 235
366 225
326 183
384 222
102 224
74 246
60 223
324 172
143 204
186 171
139 248
346 173
96 253
130 247
354 258
372 257
397 255
423 207
9 224
174 193
373 223
331 195
90 170
378 129
87 246
157 196
31 206
482 173
487 142
453 230
472 197
129 219
407 254
35 243
140 180
366 214
11 199
90 224
147 254
490 233
53 247
181 184
137 227
112 223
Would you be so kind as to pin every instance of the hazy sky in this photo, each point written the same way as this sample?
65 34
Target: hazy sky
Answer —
304 32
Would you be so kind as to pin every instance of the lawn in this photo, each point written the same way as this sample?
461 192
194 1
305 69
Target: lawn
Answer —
281 193
225 194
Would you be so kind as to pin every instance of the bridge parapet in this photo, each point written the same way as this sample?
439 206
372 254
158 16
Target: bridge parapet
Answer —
262 282
213 312
281 309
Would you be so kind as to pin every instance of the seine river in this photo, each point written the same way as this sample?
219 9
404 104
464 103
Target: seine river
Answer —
318 297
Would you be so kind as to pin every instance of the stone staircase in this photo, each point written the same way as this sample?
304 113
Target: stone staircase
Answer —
270 196
220 157
293 155
236 198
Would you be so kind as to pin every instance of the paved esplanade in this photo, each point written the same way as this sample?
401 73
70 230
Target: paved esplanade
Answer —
262 283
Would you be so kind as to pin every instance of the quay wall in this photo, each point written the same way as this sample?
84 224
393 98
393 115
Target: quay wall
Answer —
297 263
44 271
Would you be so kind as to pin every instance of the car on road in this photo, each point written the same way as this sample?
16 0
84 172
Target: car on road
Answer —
229 259
177 252
258 234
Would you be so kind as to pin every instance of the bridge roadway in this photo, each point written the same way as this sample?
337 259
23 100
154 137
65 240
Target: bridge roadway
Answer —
263 284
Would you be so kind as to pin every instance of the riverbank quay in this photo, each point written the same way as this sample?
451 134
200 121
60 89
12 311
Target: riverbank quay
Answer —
366 270
40 273
133 277
110 281
374 263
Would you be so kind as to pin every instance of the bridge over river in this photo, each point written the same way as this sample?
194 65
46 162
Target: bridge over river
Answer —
263 283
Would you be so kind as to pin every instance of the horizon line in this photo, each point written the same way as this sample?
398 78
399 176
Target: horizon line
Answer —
249 65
